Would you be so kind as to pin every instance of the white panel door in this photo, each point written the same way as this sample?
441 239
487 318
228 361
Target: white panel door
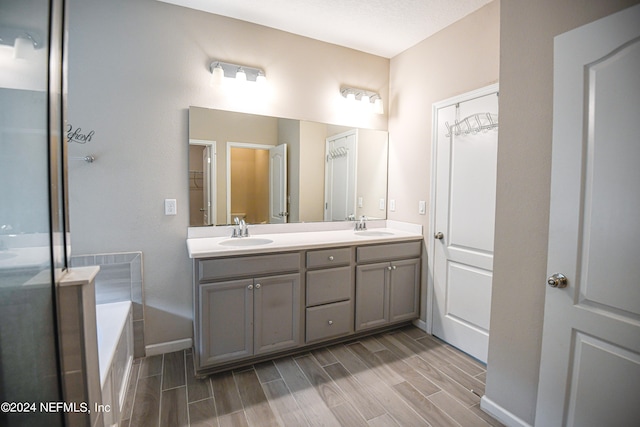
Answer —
465 188
590 360
340 177
278 184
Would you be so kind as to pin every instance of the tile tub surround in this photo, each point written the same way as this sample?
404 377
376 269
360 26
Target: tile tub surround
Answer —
120 279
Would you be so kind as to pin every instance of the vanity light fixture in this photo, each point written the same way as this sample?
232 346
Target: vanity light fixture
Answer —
368 98
220 69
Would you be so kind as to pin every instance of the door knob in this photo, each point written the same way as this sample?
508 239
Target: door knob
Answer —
557 280
439 235
258 285
250 287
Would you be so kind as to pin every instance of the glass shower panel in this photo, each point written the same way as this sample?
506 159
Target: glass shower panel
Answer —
29 371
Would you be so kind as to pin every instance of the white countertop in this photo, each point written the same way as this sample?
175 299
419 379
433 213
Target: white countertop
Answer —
206 247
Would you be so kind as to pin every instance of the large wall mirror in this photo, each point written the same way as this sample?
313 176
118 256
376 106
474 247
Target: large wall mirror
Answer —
272 170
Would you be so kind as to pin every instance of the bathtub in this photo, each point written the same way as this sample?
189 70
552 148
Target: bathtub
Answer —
115 356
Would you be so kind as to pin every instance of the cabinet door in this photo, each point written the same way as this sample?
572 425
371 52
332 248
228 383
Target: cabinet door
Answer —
277 309
226 323
372 295
404 289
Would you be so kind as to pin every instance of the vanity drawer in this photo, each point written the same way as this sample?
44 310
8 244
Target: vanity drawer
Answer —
329 285
388 252
328 257
331 320
263 265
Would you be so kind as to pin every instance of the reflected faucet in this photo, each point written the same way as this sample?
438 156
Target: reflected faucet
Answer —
362 224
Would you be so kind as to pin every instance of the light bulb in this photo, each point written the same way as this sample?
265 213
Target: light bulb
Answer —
351 97
241 76
261 79
217 75
365 99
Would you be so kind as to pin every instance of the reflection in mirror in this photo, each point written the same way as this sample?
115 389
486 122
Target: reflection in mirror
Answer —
274 170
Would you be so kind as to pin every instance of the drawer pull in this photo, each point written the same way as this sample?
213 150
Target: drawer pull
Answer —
389 268
258 285
250 287
330 322
394 267
331 258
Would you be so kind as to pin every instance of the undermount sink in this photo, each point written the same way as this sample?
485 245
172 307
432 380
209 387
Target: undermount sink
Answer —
373 233
246 241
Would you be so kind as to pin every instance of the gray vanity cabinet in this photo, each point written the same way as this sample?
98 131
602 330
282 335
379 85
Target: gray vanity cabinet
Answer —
276 311
245 317
249 307
226 321
329 294
387 292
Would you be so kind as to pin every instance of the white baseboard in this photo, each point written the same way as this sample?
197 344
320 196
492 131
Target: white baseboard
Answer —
420 324
501 414
168 347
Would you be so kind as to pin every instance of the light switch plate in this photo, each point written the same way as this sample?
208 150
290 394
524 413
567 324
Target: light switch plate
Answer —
381 204
170 207
392 205
360 202
422 207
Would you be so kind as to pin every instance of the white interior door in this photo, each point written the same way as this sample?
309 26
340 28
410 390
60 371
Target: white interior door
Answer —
590 361
464 217
278 184
340 177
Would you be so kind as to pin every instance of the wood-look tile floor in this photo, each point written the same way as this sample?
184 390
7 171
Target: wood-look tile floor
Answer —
399 378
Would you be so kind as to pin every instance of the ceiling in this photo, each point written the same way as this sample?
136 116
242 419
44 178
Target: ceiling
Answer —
380 27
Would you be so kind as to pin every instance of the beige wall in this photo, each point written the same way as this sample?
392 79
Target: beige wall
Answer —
371 180
312 138
135 67
522 207
460 58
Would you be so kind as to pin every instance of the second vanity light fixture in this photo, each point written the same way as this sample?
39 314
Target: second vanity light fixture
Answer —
368 98
220 70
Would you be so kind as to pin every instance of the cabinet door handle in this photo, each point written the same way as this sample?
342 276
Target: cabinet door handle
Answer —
394 267
258 285
389 268
331 258
330 322
250 287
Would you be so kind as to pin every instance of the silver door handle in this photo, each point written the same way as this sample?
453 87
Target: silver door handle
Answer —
250 287
258 285
557 280
438 235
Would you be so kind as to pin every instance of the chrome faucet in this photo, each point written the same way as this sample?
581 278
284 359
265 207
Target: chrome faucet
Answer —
362 224
244 229
240 229
236 228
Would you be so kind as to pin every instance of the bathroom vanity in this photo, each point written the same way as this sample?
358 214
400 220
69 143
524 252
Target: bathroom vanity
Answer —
283 293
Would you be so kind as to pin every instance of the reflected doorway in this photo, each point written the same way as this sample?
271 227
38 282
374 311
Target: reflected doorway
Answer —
256 183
